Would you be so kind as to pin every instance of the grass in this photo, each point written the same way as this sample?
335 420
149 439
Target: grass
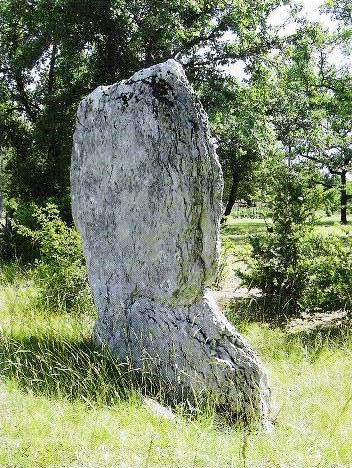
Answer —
238 229
65 403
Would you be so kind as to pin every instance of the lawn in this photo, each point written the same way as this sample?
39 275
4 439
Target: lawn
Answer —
237 229
65 403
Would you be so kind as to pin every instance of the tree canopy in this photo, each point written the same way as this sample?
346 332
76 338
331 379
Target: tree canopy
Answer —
52 53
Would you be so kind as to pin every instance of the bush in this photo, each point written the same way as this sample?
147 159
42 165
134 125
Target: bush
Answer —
14 246
296 269
276 265
270 270
328 265
61 273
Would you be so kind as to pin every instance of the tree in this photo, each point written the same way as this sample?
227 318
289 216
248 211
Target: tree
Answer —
277 263
43 84
239 119
53 53
331 146
341 9
311 111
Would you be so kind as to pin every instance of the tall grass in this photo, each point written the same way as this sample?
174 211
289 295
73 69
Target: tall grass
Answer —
66 403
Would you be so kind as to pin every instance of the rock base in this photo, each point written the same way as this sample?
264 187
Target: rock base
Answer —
194 351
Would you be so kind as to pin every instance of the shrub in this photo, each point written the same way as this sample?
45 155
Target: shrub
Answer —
13 244
327 261
276 264
61 273
295 268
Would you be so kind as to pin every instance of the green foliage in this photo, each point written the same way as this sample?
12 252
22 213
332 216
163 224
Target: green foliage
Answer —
14 245
276 266
239 118
296 268
327 263
54 53
331 200
11 273
61 272
312 108
341 9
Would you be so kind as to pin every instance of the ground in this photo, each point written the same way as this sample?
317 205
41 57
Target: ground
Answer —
63 404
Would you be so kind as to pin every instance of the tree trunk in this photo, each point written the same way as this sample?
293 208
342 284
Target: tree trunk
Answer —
233 193
343 198
145 173
51 75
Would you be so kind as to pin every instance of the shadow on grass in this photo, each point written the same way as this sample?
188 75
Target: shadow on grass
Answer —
312 333
73 370
331 221
83 371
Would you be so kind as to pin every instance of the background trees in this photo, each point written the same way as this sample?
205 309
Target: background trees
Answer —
239 116
53 53
310 107
291 97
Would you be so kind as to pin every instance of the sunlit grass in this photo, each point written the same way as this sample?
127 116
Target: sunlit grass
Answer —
66 403
238 229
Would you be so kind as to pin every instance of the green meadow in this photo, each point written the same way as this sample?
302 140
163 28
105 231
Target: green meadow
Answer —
66 403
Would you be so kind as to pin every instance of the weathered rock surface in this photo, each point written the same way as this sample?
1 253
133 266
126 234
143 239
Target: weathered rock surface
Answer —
146 194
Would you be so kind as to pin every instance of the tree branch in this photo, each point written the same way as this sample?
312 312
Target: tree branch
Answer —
323 163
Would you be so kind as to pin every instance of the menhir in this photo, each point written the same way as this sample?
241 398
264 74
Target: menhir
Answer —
146 196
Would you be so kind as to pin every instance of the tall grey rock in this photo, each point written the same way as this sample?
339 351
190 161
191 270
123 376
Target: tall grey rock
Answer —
146 194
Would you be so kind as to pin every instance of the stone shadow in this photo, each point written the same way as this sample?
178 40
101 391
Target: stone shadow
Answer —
61 368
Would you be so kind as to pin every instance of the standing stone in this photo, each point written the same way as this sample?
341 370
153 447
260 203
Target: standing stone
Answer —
146 194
